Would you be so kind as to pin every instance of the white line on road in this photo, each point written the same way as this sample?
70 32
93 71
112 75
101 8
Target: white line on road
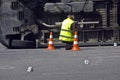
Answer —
7 67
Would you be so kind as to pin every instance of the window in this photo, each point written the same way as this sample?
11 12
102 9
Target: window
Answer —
15 5
21 15
0 3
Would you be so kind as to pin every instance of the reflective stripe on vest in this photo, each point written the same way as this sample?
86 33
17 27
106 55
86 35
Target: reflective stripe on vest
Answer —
66 33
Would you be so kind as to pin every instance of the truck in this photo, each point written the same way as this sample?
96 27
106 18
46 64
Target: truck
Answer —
27 23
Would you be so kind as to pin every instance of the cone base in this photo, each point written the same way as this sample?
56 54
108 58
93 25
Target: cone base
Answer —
51 48
75 48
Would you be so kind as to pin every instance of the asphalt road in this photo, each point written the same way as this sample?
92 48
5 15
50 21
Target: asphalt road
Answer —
91 63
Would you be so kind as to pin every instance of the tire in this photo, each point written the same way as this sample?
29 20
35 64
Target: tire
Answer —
22 44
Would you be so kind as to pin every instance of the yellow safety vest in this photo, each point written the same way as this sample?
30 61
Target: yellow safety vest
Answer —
66 33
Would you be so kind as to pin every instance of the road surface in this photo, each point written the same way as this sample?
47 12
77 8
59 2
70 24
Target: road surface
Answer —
90 63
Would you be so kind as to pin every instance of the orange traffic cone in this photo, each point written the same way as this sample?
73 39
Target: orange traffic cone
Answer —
50 43
75 43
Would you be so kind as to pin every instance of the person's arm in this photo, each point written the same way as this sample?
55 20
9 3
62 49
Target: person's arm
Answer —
73 28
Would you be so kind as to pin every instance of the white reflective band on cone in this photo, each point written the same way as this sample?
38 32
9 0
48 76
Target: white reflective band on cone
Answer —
50 42
51 36
75 36
75 42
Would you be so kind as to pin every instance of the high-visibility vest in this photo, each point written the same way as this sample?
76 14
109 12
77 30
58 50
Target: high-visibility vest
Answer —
66 33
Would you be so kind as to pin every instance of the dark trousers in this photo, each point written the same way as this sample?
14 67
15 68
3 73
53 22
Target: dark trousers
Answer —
69 45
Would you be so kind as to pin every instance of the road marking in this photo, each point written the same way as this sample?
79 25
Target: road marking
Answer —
7 67
112 57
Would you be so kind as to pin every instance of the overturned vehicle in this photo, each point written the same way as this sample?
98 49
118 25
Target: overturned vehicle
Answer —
27 23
